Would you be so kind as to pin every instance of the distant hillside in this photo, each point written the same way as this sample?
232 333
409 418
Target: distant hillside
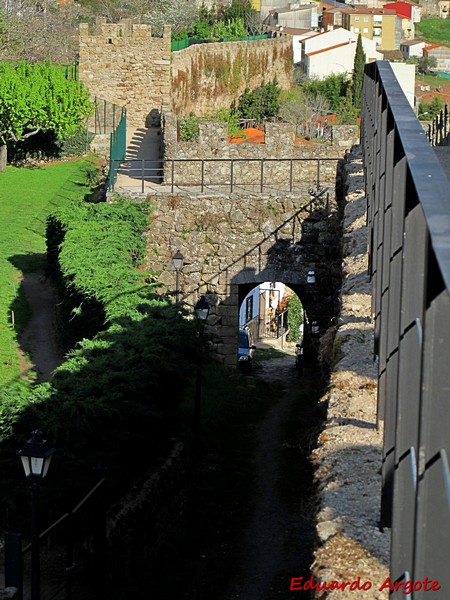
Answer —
436 31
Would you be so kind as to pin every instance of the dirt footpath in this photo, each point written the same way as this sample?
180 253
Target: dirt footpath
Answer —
39 349
278 541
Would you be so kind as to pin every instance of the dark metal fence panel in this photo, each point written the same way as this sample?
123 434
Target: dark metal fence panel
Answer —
437 131
433 501
117 149
72 553
177 45
409 236
105 118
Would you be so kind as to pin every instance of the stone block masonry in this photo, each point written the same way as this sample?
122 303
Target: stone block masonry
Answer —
232 240
207 77
280 153
123 64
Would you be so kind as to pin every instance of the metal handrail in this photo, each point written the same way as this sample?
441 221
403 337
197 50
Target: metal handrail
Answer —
409 265
164 172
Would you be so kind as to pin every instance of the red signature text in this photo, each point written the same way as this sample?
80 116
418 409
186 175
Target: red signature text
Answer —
406 587
299 583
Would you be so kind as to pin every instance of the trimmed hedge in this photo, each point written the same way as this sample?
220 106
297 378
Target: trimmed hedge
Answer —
110 408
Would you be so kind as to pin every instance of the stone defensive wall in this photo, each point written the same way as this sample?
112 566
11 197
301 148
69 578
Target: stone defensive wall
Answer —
277 151
232 242
207 77
123 64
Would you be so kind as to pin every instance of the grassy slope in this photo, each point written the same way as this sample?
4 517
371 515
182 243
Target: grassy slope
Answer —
26 198
436 31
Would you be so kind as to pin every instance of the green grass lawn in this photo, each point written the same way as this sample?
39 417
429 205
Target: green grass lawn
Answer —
27 196
436 31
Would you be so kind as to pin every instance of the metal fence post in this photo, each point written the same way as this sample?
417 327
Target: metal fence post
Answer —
13 562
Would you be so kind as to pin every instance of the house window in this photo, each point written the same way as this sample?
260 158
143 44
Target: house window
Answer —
356 29
366 19
249 309
366 30
356 18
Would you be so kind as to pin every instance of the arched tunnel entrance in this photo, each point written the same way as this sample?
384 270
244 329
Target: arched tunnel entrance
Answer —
276 313
313 277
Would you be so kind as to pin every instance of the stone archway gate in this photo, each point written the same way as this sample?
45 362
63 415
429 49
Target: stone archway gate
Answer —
231 243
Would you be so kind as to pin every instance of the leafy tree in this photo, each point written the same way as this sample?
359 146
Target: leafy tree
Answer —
29 33
233 28
358 73
241 9
347 113
333 88
425 64
37 98
178 13
428 111
261 103
304 111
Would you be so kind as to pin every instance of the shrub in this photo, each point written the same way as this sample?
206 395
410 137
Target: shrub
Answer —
295 317
261 103
110 407
189 128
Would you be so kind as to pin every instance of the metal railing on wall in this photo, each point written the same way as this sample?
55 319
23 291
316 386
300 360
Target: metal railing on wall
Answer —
105 118
409 264
227 174
72 554
437 131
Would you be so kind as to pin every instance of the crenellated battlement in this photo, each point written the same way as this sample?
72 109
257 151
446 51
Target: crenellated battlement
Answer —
124 31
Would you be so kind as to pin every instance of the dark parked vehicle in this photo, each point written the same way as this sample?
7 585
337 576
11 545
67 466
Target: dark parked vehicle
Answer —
246 350
299 358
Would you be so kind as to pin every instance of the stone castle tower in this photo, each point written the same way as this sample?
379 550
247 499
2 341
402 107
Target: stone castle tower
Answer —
123 64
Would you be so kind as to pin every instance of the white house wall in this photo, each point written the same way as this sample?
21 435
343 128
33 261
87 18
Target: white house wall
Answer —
339 60
279 289
334 37
406 76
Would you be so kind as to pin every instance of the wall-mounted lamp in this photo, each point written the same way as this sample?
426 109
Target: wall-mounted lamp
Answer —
177 260
202 309
311 277
315 329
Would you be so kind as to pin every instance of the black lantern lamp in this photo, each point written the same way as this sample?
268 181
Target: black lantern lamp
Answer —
36 456
202 309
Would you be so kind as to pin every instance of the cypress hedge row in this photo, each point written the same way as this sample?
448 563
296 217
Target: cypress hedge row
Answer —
110 408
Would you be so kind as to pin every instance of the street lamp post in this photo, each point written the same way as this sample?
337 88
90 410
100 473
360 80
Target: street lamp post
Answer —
36 456
201 312
177 260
